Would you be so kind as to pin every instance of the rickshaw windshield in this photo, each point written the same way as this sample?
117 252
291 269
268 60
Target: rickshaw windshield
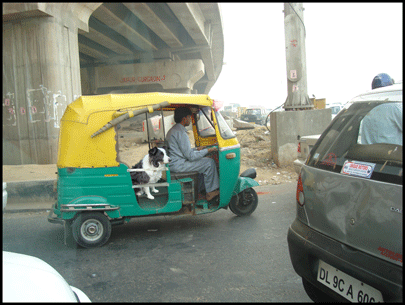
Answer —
205 124
224 128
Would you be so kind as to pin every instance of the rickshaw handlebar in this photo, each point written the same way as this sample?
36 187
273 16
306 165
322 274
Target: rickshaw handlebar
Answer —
128 115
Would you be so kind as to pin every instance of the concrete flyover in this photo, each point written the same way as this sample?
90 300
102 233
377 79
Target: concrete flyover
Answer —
55 52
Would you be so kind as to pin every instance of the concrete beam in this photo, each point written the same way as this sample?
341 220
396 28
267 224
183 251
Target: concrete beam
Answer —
72 15
18 11
171 75
118 25
106 42
144 13
92 52
193 20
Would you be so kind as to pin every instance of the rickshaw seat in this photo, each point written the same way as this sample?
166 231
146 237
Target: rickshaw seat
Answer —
192 175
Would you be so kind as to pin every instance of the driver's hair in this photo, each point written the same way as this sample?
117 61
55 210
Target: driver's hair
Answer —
180 113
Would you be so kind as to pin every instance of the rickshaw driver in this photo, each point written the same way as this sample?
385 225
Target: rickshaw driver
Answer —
185 159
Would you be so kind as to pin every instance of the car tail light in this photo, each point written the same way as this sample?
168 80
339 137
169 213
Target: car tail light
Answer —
299 147
300 192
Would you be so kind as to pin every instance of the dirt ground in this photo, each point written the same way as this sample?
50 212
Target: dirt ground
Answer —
255 152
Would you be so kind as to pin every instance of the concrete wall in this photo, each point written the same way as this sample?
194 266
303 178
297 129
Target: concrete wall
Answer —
161 76
32 191
287 125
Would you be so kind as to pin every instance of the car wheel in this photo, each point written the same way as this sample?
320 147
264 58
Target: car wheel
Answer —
91 229
245 203
315 294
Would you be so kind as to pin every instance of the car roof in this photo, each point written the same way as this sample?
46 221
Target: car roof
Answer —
388 93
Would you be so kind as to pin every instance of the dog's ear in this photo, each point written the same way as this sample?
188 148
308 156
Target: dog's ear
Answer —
153 151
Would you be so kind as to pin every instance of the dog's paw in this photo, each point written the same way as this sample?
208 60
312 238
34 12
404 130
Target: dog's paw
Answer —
155 190
150 197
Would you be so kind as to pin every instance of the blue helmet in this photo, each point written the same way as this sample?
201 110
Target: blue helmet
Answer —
382 80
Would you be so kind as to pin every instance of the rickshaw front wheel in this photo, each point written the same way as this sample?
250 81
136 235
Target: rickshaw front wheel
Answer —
245 203
91 229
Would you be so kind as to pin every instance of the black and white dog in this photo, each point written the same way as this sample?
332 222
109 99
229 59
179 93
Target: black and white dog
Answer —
155 159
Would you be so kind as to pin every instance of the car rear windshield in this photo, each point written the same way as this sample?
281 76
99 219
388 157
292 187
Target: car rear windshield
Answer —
365 140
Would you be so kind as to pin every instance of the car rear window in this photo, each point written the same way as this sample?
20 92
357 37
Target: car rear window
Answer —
365 141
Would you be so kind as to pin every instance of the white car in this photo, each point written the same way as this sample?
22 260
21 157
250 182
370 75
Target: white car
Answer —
30 279
336 108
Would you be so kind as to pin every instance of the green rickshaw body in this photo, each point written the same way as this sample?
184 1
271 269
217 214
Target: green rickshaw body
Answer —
107 188
229 168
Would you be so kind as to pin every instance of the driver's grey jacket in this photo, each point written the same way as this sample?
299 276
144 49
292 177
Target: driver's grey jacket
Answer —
185 159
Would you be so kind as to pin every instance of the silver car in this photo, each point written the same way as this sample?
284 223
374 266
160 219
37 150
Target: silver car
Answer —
346 240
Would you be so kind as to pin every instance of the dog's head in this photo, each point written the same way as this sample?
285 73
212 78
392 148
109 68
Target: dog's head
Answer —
158 156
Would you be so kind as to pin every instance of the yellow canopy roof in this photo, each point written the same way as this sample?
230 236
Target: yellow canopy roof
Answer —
84 106
85 118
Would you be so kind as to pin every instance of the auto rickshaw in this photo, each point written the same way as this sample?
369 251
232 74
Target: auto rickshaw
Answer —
94 188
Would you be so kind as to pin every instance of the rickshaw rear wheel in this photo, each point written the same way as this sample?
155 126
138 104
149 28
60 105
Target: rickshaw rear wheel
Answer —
245 203
91 230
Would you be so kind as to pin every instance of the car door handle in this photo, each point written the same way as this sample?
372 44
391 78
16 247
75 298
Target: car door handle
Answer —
230 155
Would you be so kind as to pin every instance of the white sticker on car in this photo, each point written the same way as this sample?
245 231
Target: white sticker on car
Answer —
358 169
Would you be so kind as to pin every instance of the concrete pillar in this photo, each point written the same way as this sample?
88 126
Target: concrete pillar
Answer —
287 125
296 58
41 76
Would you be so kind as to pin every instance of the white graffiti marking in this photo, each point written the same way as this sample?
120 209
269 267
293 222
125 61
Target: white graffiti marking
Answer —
43 104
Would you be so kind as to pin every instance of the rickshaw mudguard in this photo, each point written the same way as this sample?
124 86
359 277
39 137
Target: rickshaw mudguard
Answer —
88 203
244 183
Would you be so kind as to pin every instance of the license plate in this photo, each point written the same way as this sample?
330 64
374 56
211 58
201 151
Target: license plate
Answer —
347 286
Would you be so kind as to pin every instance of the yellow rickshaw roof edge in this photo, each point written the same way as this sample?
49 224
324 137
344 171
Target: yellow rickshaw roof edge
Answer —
84 106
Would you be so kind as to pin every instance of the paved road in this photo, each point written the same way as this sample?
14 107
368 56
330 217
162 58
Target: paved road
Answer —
208 258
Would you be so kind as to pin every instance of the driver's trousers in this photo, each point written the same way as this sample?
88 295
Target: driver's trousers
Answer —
205 166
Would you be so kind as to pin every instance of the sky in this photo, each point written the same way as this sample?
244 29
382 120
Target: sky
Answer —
347 44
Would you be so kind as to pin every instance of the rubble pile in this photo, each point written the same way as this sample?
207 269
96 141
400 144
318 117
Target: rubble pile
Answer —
256 152
255 146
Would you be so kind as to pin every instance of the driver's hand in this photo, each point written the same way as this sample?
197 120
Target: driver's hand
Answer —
212 149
